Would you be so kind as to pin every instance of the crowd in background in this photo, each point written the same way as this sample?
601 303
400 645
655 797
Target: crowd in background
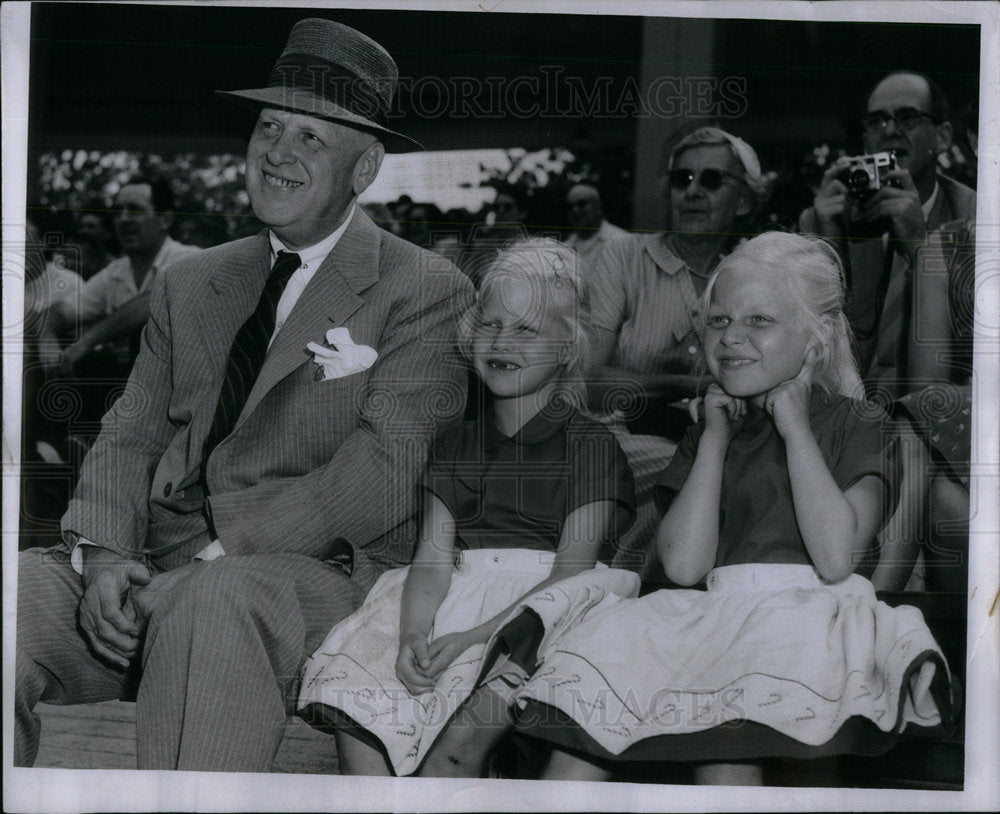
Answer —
70 382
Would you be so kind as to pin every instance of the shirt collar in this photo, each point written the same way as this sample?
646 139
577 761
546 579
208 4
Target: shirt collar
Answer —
549 420
655 245
124 267
312 256
165 249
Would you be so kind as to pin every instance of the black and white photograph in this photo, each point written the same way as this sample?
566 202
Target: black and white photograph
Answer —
709 294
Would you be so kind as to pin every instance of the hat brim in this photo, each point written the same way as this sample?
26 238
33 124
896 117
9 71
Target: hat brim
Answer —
298 100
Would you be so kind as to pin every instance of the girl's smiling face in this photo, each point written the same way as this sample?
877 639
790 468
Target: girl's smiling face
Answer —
754 337
518 345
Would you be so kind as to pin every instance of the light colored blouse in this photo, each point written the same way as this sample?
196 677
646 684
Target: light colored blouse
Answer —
645 295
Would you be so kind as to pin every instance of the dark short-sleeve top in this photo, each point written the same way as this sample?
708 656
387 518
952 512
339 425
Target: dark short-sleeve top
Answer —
756 513
517 492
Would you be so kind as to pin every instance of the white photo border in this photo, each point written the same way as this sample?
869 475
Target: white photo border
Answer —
93 790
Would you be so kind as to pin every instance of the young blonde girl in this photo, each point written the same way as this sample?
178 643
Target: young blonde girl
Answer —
519 502
772 499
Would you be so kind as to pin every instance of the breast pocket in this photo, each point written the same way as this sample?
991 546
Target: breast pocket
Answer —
334 405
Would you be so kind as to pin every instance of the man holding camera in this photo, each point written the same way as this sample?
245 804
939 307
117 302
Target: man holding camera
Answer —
880 224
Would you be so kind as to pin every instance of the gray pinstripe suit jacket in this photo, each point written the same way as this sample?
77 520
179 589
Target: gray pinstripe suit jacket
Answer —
322 468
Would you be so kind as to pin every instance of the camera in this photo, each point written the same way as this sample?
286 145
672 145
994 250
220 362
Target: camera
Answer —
863 175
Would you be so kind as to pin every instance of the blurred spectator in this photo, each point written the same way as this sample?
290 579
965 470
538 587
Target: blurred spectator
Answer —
509 210
95 222
451 242
382 215
590 233
878 233
52 288
83 254
644 301
401 209
201 230
504 223
425 220
46 483
114 304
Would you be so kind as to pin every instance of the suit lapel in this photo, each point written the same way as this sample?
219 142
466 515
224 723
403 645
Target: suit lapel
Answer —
231 296
332 295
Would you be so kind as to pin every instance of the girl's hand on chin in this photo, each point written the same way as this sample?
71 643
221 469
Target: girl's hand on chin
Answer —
788 402
723 412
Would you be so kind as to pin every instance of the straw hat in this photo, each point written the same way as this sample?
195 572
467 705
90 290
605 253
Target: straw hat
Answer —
330 71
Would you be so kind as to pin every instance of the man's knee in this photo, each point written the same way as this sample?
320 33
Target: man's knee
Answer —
228 590
48 594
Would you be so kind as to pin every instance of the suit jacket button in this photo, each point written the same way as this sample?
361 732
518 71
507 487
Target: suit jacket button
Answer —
180 493
168 489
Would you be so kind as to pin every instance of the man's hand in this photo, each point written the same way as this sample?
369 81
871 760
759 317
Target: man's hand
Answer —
899 202
71 357
145 599
106 614
830 203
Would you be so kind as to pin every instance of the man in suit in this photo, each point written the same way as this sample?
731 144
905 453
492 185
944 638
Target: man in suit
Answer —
259 472
907 113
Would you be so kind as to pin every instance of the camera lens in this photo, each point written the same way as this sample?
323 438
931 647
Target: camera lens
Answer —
858 179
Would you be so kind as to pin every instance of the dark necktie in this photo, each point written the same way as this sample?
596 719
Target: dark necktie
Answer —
247 355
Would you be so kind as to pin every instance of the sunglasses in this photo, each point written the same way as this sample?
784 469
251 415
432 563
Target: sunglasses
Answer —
906 118
709 179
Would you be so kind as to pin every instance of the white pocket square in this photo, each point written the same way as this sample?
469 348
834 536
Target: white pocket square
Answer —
339 356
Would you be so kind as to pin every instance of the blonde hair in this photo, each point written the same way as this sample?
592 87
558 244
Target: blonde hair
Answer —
553 269
815 279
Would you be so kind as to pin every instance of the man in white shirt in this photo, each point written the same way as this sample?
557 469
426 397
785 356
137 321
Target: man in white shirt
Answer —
114 303
590 233
260 471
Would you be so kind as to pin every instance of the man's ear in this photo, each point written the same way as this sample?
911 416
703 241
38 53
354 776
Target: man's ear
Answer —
166 220
944 137
367 167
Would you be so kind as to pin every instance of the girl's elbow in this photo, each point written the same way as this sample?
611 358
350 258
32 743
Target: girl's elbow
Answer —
836 575
684 575
835 569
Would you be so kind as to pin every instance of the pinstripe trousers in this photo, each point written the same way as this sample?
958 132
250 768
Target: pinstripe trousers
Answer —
220 660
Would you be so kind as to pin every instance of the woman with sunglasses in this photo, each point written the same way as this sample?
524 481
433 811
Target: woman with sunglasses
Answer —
644 302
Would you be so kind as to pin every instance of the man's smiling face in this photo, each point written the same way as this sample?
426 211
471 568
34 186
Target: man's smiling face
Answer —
302 173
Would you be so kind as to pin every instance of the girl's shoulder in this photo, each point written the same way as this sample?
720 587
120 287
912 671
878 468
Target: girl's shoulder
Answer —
845 411
583 426
449 443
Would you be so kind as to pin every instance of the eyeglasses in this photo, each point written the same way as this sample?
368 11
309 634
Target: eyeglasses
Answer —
709 179
906 118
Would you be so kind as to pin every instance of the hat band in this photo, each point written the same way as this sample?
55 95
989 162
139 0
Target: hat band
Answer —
332 82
